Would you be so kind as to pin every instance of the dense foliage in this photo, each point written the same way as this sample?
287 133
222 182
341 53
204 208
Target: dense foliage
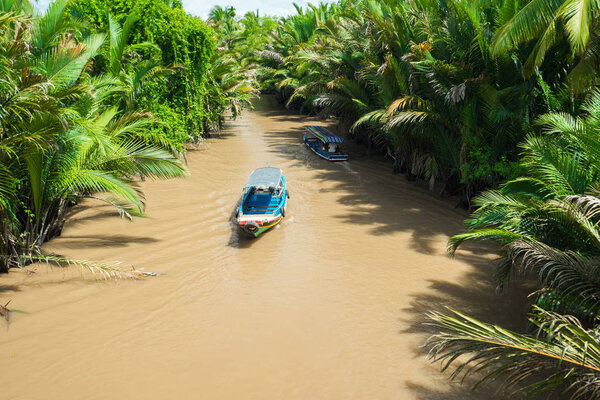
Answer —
94 97
159 34
547 221
468 94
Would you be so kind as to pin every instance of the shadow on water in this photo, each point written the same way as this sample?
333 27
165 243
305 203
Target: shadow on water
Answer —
472 294
237 239
83 241
451 391
387 203
240 240
9 288
226 133
99 216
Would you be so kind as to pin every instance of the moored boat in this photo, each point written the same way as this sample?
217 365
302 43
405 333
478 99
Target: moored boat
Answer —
324 144
264 201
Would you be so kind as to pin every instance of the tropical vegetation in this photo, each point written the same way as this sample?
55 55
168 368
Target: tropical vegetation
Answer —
547 224
234 69
95 97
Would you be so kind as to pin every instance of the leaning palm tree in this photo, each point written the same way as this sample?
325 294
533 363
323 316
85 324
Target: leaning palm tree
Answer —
62 136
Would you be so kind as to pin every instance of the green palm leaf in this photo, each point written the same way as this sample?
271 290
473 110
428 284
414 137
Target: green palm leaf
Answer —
562 355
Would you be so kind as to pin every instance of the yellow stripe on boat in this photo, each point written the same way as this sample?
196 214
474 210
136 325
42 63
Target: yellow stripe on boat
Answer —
273 224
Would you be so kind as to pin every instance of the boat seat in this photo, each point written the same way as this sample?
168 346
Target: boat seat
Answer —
261 203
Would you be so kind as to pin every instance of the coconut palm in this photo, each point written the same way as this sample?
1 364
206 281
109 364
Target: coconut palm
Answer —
62 137
560 164
547 222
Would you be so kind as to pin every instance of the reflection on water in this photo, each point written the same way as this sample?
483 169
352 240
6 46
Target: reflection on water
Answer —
327 306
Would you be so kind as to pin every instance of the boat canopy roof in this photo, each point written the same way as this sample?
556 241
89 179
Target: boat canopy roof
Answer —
266 177
324 135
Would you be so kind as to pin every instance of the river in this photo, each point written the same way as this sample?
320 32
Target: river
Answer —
328 305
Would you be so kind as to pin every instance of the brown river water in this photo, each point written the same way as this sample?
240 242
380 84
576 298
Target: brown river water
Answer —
328 305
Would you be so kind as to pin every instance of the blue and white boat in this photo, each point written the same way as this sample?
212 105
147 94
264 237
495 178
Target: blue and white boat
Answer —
324 143
264 201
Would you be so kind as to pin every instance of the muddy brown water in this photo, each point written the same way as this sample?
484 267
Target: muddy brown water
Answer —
329 305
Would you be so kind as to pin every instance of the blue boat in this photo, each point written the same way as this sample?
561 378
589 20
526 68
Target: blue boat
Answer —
264 201
324 144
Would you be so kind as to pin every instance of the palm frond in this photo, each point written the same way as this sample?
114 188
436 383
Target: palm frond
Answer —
563 356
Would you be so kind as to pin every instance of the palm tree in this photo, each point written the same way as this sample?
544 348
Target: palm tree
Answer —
233 83
553 177
62 136
547 222
413 79
224 21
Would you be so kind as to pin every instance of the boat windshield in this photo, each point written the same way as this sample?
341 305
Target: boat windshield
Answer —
265 179
260 190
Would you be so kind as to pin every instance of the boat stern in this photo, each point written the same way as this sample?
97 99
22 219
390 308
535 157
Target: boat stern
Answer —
254 225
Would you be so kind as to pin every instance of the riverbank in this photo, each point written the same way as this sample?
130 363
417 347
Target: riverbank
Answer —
329 305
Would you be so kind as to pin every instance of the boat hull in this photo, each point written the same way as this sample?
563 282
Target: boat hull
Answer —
323 154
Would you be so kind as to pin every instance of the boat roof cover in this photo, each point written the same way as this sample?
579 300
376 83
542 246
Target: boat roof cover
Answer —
324 135
266 177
